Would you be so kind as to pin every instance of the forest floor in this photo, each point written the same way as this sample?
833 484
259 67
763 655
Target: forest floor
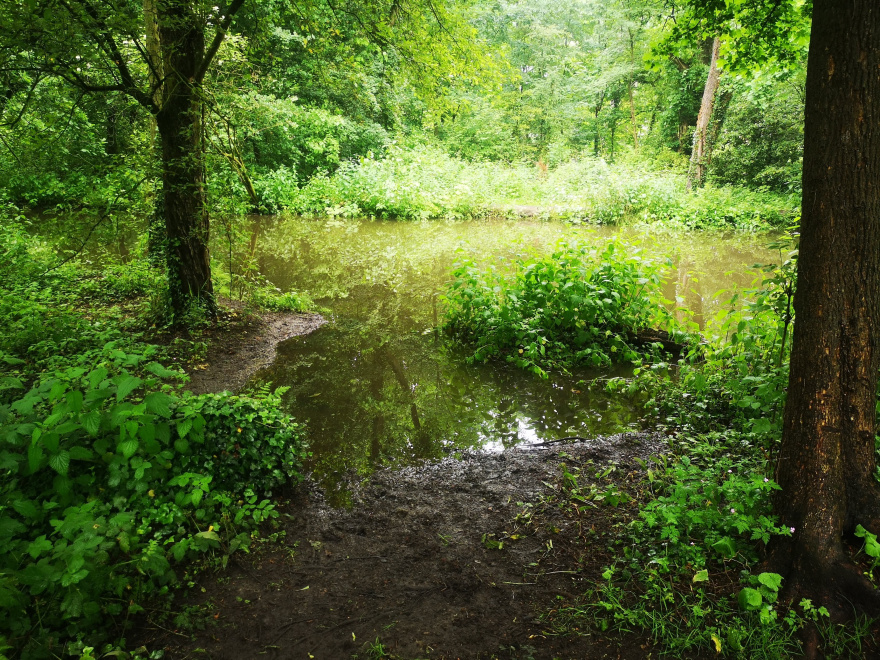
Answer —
463 558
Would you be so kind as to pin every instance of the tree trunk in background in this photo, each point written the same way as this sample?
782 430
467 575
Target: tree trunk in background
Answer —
630 85
183 166
156 237
596 110
718 117
700 151
826 461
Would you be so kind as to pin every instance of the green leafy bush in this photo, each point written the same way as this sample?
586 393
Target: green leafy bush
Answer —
246 443
119 282
580 306
109 478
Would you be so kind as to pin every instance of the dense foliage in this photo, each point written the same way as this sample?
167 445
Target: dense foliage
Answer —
112 476
579 306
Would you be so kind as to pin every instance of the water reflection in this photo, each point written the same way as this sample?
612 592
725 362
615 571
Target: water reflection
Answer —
378 385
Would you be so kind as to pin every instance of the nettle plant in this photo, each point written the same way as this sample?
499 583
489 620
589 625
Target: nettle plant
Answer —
109 477
710 505
582 305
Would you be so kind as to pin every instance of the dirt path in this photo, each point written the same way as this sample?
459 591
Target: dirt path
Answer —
235 355
408 565
414 564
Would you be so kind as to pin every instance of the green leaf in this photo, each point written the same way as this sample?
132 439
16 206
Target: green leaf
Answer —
770 580
158 403
26 508
128 447
91 422
725 547
183 427
60 462
212 536
125 384
701 576
97 376
78 453
749 599
75 401
11 383
39 546
35 457
159 370
197 496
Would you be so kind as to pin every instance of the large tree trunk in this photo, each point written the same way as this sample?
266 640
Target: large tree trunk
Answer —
700 151
156 237
183 166
826 461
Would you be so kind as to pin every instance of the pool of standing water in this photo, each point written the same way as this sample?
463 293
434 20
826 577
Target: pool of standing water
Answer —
380 384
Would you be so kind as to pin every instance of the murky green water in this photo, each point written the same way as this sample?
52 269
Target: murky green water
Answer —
377 384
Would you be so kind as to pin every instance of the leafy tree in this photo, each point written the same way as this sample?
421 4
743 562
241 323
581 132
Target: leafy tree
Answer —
160 52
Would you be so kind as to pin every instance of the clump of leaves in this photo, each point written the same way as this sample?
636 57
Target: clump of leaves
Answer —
580 306
109 477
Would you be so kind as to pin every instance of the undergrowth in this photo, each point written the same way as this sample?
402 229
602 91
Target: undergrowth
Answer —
687 574
112 477
422 181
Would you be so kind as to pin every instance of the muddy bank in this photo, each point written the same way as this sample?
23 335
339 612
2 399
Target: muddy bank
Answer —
236 353
415 565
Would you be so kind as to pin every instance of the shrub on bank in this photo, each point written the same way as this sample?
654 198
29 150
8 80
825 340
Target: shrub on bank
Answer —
580 306
425 182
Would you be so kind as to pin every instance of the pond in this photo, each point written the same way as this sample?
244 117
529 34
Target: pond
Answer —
379 384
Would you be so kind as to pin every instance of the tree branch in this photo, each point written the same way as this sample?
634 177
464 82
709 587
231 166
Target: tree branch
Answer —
219 35
105 40
24 104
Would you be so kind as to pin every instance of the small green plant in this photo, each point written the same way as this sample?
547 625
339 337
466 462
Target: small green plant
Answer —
376 650
871 549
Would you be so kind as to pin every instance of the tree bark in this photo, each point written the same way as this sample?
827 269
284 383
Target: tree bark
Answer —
826 460
156 235
183 167
700 151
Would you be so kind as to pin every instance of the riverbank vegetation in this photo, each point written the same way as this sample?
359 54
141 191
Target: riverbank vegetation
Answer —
137 144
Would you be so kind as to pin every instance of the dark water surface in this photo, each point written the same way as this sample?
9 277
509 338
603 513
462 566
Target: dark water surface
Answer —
378 384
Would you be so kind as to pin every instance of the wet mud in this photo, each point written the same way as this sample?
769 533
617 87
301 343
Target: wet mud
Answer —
458 558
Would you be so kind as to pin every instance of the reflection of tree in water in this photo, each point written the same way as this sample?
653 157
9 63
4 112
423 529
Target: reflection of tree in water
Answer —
370 399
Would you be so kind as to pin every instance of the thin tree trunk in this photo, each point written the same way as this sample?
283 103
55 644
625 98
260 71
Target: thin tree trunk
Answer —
826 460
180 129
631 84
699 153
718 117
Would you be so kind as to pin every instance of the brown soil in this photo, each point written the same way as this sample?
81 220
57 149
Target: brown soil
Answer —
243 346
408 564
